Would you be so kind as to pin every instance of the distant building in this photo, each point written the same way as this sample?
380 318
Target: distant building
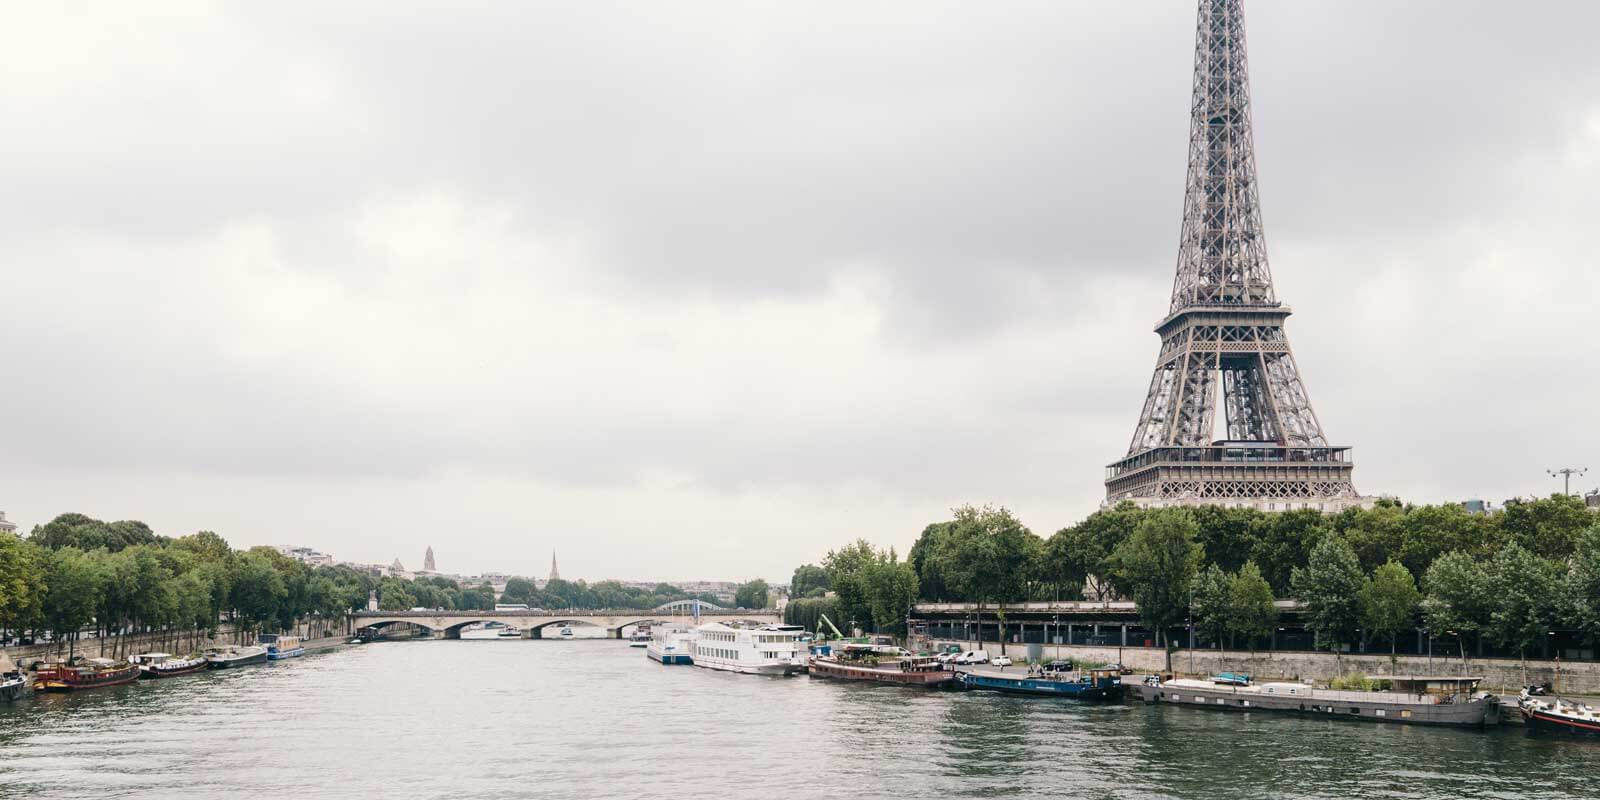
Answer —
1475 506
555 574
6 526
306 555
1591 500
427 561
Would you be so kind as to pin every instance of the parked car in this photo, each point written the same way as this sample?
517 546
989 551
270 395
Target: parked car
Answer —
1001 661
973 657
948 658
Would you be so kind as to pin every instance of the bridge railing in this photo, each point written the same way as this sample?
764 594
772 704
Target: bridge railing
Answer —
563 612
1052 606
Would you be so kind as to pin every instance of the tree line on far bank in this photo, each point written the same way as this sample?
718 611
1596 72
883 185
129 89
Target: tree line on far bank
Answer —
1509 576
76 573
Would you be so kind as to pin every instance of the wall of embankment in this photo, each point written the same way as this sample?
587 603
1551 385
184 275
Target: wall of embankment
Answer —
226 634
1502 676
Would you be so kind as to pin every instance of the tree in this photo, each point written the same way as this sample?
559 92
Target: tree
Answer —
1389 601
1229 535
258 590
1327 589
1549 527
1156 564
22 582
1582 586
74 581
520 590
846 569
1285 541
924 558
891 589
1456 597
1209 598
807 578
1526 590
1251 612
752 594
1089 545
1059 571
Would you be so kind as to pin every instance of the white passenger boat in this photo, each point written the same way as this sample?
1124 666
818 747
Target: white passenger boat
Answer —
566 632
671 644
766 650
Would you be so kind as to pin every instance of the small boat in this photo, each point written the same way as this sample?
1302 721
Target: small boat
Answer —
509 632
280 647
1412 699
640 638
165 665
881 664
1054 679
764 650
85 673
1546 713
14 682
235 656
565 632
671 644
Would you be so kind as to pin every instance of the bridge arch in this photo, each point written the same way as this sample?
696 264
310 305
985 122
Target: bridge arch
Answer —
687 605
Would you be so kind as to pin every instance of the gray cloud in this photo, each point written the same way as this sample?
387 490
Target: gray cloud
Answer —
753 280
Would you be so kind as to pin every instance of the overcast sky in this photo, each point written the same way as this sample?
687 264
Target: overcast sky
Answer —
703 290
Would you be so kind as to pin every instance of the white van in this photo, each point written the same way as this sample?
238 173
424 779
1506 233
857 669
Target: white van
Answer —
973 657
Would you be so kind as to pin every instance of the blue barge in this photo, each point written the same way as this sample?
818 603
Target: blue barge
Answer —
1094 684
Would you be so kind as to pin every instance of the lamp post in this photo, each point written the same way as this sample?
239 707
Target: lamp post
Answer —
1566 473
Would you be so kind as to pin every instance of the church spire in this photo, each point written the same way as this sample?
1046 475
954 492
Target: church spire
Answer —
555 574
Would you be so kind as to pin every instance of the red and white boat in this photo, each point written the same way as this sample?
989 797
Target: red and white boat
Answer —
1548 713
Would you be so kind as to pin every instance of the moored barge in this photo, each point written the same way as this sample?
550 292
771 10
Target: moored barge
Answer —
235 656
280 647
14 682
875 663
85 673
1055 680
1552 714
165 665
1412 700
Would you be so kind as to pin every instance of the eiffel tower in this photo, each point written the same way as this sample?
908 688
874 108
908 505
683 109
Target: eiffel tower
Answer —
1225 326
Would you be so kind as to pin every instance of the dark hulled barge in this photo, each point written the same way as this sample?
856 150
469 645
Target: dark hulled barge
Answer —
166 665
1056 679
14 682
85 673
878 664
235 656
1412 699
1544 713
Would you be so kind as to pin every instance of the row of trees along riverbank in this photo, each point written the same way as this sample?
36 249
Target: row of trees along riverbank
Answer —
77 573
1508 576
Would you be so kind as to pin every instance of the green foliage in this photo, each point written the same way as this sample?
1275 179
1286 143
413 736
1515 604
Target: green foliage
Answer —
87 533
1526 591
1327 588
1357 682
1456 599
1209 600
1251 613
1581 591
808 612
807 579
752 594
1389 601
1156 565
891 589
1548 527
986 555
22 582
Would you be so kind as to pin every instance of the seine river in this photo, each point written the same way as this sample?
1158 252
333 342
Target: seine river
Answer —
580 719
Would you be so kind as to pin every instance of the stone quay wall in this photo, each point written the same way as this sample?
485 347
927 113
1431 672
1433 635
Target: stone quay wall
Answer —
1501 675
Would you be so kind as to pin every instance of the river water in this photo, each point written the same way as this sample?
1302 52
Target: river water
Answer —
578 719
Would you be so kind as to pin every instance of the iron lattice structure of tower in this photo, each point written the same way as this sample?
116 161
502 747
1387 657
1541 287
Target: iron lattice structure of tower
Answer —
1225 326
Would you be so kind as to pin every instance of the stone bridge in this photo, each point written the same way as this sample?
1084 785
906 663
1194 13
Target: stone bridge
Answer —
448 624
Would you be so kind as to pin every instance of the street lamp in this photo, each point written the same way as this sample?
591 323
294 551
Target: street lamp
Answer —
1566 473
